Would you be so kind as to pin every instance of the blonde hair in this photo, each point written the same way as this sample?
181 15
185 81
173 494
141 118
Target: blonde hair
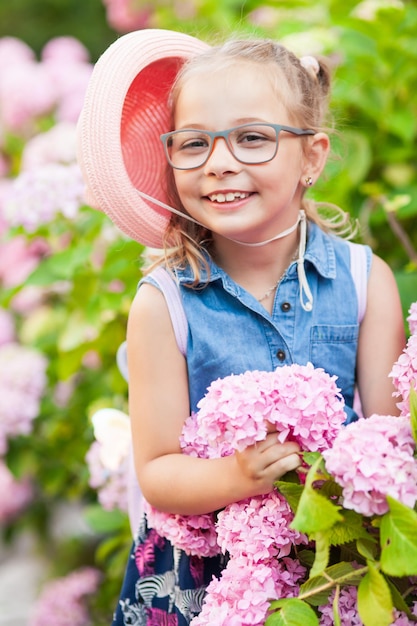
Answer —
303 88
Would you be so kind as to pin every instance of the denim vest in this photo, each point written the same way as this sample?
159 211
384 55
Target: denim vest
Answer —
230 332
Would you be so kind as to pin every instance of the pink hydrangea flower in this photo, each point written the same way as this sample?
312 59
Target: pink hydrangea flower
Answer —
19 258
26 93
373 458
348 611
404 375
15 494
242 595
39 194
347 608
22 384
412 318
124 16
258 528
195 534
64 50
111 485
7 327
303 403
57 145
63 601
14 51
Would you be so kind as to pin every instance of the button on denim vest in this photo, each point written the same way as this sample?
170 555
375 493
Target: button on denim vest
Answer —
230 332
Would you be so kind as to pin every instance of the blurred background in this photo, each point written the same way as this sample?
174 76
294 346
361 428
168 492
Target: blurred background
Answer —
68 276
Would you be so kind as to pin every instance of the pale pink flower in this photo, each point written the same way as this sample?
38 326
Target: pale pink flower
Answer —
14 51
7 327
347 608
258 528
22 384
38 195
108 457
15 494
242 595
111 486
63 601
302 402
373 458
71 84
404 374
57 145
124 16
64 50
27 92
195 534
19 258
412 318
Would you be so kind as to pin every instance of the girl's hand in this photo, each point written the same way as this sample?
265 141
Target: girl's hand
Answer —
266 461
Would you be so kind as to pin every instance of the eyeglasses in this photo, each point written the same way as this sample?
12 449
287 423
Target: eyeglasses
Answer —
190 148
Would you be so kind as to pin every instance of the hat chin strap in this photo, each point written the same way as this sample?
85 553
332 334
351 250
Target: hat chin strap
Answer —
301 219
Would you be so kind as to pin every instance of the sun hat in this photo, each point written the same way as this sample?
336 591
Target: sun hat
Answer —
118 134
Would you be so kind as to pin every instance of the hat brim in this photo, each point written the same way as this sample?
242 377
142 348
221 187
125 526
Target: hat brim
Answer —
124 113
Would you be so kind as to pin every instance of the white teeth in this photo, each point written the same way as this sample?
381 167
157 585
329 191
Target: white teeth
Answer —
228 197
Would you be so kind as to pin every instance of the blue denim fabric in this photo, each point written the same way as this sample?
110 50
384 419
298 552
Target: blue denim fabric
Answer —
231 332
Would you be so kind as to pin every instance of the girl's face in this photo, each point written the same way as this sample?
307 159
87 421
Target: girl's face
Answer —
248 203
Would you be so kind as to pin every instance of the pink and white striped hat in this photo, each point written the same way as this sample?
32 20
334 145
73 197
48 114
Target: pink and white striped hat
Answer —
124 113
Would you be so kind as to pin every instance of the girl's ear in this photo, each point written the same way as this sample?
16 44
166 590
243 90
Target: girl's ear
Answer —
316 153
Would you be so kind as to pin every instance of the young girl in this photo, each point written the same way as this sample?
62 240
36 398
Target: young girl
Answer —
264 279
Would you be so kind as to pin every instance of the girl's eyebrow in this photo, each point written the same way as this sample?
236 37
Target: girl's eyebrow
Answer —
238 122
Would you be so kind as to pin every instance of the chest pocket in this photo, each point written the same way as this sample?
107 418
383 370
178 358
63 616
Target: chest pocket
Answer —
333 348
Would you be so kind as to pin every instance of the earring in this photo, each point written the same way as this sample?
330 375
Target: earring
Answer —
308 181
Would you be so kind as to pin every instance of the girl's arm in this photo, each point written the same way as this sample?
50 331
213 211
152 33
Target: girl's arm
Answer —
159 405
381 341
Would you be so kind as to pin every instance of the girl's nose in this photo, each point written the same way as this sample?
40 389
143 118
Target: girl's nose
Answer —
221 160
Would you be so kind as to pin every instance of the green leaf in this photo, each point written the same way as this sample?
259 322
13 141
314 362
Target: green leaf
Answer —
413 411
349 529
335 607
399 540
367 548
375 606
398 599
314 512
61 265
291 612
102 521
291 492
316 590
322 553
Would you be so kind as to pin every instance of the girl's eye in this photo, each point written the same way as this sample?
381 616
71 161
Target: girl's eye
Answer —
193 143
253 139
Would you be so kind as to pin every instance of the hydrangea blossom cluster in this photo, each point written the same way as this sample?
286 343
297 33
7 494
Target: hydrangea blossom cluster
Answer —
63 601
15 494
301 403
30 89
348 612
412 318
404 374
108 458
242 595
373 458
22 384
127 15
38 195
